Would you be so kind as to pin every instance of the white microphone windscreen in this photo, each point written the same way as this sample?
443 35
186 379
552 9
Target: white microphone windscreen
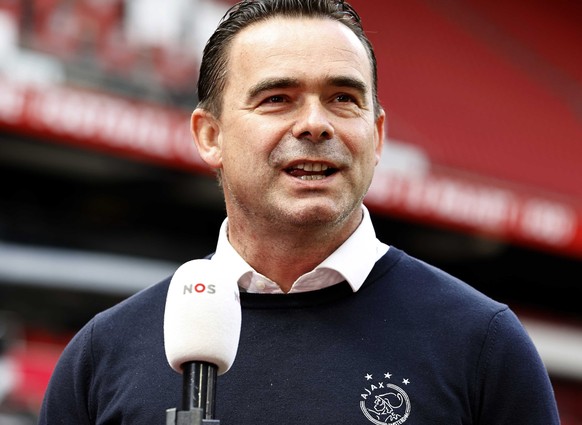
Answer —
202 319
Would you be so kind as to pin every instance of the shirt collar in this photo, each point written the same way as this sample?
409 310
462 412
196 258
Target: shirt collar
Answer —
352 262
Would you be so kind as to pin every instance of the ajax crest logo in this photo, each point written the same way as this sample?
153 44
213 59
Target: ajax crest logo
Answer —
384 403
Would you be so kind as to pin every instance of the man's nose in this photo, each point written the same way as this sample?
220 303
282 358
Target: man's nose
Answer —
313 122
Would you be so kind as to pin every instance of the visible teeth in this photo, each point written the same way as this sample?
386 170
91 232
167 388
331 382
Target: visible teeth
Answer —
310 166
314 177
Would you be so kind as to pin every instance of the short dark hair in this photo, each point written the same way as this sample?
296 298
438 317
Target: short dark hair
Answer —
213 69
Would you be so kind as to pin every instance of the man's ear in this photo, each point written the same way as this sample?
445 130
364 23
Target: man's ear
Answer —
205 132
379 134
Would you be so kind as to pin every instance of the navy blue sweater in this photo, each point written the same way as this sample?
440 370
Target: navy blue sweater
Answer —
413 346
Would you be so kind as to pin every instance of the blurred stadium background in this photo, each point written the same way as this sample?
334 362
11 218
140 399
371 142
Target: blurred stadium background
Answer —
102 193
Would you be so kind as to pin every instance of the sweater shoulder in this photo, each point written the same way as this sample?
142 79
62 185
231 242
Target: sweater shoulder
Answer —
142 303
404 278
141 315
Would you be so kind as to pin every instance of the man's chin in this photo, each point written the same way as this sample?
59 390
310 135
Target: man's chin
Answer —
314 214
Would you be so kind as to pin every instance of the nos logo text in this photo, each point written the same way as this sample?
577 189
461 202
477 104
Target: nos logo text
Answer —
199 288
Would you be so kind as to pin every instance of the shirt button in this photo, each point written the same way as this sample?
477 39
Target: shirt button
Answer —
260 285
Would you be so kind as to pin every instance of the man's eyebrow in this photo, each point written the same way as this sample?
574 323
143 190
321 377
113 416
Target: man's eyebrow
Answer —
349 82
272 84
287 82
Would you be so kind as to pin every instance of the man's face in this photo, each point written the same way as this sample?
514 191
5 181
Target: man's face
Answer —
297 140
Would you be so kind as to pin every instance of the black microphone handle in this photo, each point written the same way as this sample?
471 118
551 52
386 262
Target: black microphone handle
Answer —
199 387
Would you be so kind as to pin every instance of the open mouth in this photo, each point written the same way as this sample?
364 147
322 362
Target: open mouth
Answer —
311 171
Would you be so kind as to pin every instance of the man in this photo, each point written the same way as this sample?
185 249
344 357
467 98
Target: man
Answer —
337 327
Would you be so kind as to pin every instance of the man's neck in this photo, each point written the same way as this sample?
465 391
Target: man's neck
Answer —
283 255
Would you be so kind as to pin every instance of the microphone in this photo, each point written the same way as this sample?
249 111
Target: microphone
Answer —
202 323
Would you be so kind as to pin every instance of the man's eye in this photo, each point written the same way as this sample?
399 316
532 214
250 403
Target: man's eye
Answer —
274 99
345 98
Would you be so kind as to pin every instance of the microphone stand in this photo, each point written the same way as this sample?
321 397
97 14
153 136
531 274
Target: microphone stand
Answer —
198 396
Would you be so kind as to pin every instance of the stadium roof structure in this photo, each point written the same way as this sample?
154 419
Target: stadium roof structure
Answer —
484 106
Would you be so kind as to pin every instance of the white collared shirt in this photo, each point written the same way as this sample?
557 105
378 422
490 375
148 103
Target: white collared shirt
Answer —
352 262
